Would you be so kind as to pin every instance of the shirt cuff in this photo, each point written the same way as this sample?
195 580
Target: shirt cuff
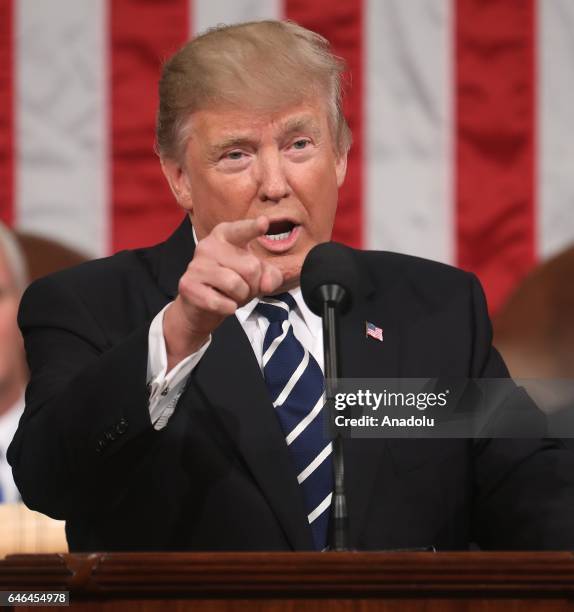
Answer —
165 389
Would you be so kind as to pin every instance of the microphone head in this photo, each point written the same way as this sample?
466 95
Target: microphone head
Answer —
329 274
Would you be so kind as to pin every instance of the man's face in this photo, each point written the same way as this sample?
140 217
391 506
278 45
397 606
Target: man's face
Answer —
240 164
11 346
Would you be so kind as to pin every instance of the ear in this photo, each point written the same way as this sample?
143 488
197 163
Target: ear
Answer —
178 182
341 168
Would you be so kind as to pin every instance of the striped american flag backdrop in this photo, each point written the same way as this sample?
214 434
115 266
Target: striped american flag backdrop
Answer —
462 113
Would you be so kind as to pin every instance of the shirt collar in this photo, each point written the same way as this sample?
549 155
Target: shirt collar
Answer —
312 321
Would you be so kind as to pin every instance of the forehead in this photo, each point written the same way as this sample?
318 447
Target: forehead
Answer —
215 124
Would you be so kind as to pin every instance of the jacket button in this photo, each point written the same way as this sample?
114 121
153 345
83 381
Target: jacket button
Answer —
121 426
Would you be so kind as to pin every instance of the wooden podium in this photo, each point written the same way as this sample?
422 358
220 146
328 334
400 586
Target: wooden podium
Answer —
299 581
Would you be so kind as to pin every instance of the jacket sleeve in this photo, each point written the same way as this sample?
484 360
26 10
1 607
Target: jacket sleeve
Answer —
86 424
524 488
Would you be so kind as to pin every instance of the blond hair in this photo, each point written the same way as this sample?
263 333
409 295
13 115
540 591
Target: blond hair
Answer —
263 65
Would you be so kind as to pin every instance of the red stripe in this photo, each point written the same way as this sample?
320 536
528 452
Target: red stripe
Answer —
143 34
6 112
495 104
341 23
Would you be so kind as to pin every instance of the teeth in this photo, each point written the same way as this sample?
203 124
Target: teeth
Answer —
282 236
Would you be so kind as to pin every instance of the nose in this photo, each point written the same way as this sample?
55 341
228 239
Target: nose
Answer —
273 184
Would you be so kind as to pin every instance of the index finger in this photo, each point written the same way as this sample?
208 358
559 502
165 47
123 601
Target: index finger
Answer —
241 233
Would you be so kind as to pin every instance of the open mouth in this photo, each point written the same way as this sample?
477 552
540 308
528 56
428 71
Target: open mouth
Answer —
281 236
280 230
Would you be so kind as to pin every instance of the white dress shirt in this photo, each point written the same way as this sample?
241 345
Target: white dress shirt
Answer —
166 388
8 425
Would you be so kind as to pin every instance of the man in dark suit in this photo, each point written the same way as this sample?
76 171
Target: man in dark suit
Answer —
152 421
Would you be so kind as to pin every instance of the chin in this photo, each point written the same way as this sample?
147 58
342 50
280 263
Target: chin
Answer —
289 284
290 267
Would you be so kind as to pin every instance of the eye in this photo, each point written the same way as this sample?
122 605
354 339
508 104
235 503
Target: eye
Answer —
300 144
234 155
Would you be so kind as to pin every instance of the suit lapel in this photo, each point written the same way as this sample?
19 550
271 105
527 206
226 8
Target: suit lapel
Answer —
230 377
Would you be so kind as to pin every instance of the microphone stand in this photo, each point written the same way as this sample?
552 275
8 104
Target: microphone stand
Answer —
332 296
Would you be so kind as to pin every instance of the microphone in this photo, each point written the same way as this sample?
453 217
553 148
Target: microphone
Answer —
329 274
328 284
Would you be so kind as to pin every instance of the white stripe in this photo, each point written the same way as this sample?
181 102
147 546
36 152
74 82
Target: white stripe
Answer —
209 13
296 431
293 380
408 127
320 509
556 126
315 463
273 346
61 130
277 303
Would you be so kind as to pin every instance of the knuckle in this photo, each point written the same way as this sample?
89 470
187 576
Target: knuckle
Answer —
199 269
231 282
183 285
213 302
253 267
219 230
202 249
242 290
193 262
235 282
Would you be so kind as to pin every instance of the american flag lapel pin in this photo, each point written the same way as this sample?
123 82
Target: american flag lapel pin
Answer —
373 331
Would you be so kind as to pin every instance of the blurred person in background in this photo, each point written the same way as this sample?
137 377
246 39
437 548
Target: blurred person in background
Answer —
21 529
13 371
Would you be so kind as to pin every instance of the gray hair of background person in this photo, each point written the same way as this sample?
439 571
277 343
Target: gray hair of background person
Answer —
262 66
15 259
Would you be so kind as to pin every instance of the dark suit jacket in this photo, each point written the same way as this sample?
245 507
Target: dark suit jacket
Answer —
219 476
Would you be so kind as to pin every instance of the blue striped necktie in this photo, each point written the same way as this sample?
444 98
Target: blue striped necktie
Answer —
296 386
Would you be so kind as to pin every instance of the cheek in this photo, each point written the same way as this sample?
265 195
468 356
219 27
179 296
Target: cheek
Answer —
318 191
224 198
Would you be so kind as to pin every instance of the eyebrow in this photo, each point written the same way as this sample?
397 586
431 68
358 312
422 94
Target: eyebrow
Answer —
301 124
290 127
230 142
